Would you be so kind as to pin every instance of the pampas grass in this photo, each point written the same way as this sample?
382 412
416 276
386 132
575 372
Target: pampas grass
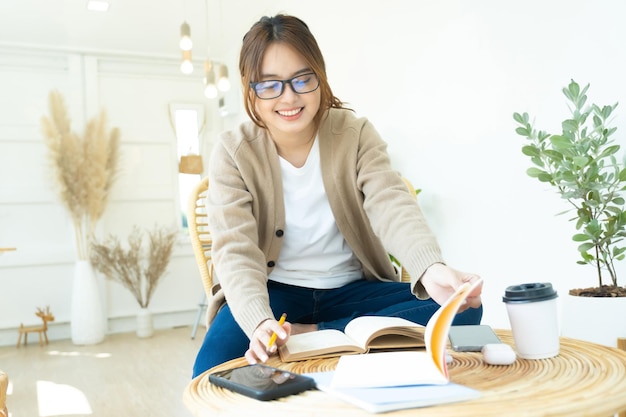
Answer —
139 273
85 167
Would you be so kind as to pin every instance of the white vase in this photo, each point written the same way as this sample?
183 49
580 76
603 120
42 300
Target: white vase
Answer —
145 327
594 319
88 323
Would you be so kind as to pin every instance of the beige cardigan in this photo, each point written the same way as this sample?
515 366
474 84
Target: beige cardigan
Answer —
369 200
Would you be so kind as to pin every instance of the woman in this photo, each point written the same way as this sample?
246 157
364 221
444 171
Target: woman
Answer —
304 209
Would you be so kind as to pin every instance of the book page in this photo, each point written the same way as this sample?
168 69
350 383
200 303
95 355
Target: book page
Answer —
439 324
383 399
366 328
386 369
319 343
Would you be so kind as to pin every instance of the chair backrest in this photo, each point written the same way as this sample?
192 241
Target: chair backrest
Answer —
4 384
405 275
199 233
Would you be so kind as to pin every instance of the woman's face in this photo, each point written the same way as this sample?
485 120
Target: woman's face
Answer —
290 114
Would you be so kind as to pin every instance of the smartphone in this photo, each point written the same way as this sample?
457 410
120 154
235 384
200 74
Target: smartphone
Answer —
471 338
262 382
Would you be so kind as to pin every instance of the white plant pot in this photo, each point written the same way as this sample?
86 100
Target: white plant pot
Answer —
87 322
145 326
594 319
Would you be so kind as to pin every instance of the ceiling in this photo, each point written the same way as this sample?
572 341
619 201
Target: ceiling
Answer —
135 26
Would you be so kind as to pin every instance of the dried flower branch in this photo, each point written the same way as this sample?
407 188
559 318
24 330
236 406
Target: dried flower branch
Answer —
138 273
85 168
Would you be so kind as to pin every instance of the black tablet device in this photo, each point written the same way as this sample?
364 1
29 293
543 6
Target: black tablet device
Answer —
262 382
472 338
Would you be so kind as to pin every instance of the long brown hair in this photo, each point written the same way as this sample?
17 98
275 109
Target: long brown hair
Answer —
293 32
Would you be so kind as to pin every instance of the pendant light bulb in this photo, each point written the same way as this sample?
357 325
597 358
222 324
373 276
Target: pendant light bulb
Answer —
210 89
185 37
186 66
223 84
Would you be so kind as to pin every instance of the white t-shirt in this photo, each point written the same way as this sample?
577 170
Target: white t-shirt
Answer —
314 253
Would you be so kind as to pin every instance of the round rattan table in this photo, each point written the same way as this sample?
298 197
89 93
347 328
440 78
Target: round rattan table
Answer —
585 379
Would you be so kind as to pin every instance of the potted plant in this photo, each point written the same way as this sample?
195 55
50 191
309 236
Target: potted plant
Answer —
581 163
139 272
84 170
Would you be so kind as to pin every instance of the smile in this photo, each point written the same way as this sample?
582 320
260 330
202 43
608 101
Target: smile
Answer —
289 113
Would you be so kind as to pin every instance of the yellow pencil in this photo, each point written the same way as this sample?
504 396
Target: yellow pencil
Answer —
274 335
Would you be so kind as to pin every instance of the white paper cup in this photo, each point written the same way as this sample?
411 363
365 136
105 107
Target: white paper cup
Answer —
532 313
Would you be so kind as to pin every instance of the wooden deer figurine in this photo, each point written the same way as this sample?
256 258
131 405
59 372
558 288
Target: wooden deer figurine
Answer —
45 316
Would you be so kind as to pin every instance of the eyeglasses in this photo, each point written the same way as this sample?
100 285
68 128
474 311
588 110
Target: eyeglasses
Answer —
302 84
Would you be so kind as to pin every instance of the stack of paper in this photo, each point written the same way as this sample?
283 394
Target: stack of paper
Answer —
382 399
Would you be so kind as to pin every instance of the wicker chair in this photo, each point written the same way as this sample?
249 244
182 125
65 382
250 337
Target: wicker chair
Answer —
405 275
4 383
199 232
201 242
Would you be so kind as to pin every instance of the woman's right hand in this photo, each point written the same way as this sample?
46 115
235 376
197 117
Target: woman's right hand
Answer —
258 350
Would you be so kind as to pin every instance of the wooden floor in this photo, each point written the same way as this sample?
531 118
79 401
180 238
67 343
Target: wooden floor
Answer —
123 376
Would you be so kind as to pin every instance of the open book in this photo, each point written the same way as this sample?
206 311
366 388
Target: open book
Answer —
361 335
394 380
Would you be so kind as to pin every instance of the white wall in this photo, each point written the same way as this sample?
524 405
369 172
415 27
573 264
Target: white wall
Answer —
440 80
136 94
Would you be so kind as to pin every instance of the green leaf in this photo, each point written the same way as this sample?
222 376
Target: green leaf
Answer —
535 172
541 136
588 258
611 150
607 110
615 210
521 119
537 161
554 155
573 89
560 142
597 121
585 247
530 150
579 237
522 131
545 177
569 125
580 161
618 251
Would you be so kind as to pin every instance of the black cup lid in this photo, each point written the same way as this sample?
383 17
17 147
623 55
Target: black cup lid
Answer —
527 293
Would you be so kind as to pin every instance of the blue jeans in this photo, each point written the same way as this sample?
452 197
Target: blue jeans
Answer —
330 309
